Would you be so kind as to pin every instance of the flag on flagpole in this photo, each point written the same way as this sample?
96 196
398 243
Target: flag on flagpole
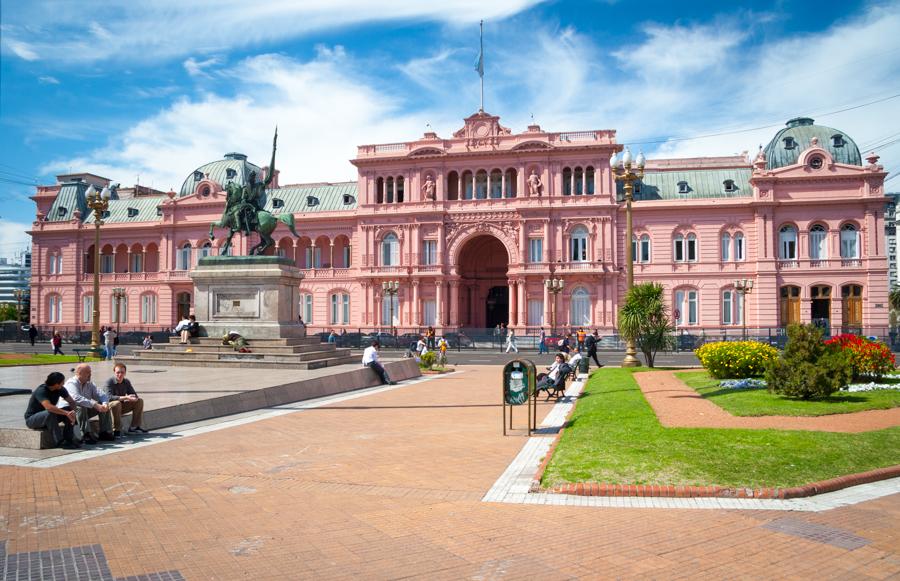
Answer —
479 62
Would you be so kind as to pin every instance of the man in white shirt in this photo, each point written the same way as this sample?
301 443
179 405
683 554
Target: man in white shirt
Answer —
109 340
370 359
90 403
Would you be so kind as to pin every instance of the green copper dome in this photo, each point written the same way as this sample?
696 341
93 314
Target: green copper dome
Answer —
234 168
787 145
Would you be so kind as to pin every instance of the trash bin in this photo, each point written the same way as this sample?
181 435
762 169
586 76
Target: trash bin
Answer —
584 365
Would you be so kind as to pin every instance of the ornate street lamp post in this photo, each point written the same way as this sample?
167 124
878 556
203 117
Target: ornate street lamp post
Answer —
98 204
118 293
554 287
743 287
391 288
623 172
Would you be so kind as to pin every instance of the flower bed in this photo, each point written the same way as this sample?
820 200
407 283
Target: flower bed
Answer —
752 383
735 359
867 357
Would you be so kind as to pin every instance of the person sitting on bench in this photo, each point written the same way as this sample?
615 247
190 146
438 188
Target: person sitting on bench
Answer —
550 379
43 414
370 359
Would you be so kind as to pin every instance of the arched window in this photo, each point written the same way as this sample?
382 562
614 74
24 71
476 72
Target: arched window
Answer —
390 250
787 242
481 185
401 189
512 181
726 247
340 309
379 191
740 250
685 248
54 308
849 241
184 257
578 245
728 307
107 260
578 178
818 243
389 191
589 180
148 308
644 253
205 250
567 181
87 308
306 308
119 315
687 307
496 184
453 186
468 186
54 260
581 307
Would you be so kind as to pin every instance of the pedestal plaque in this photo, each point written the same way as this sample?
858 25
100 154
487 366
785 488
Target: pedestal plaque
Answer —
256 296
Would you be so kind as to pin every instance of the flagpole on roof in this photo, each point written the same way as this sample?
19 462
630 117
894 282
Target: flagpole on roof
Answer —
481 43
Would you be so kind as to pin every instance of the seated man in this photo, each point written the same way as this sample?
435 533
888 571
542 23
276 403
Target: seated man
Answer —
43 414
123 399
90 403
574 359
370 359
550 379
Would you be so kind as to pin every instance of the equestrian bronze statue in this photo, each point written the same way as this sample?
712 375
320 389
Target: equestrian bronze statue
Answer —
244 212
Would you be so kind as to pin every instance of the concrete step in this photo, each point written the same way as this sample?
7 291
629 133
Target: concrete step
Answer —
254 346
314 340
245 362
230 354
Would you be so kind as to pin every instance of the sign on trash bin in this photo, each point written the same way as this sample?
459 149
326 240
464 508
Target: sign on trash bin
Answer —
518 387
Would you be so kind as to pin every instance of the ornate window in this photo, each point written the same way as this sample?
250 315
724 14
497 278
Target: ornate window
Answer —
390 309
148 308
640 248
567 181
849 241
340 309
137 262
580 307
87 308
184 257
429 252
496 184
726 247
740 249
578 245
206 249
54 308
120 315
687 307
390 250
818 242
578 178
306 307
685 248
535 250
481 185
787 242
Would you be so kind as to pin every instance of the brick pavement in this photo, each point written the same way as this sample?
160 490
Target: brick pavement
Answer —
678 406
390 485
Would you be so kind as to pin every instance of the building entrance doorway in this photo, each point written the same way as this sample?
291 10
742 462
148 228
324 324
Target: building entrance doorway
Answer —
483 288
821 306
183 301
497 307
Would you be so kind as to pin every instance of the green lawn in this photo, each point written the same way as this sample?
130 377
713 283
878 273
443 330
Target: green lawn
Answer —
10 359
614 437
759 402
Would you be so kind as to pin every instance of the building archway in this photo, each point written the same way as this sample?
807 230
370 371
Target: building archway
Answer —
483 286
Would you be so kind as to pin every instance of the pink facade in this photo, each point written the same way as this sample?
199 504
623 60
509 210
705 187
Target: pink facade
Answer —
473 225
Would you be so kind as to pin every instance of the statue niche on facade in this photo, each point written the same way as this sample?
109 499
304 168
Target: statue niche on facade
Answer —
244 212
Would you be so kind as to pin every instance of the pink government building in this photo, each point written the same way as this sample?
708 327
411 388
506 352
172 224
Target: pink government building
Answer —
472 226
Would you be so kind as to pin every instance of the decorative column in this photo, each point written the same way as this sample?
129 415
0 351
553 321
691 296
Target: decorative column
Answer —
438 308
454 303
331 252
523 304
377 310
512 303
460 192
503 185
416 321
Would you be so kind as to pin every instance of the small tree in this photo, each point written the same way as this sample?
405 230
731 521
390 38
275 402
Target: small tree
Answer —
808 369
8 312
645 318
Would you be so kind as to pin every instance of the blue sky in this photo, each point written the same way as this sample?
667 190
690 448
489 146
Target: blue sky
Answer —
148 91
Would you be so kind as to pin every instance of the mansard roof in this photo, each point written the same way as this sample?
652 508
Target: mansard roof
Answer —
692 184
70 198
301 198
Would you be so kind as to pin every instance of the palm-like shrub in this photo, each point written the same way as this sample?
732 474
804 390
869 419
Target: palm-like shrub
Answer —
645 318
808 369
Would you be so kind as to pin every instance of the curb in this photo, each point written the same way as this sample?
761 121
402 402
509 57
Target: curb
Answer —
669 491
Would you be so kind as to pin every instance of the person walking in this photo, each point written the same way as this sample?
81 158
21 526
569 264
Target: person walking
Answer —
591 343
32 334
511 341
56 343
109 341
542 346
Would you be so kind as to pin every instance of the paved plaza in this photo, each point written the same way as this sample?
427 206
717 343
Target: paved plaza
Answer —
390 483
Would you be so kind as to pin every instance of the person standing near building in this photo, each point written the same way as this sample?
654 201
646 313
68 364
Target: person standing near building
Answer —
511 341
542 346
109 341
581 335
32 334
429 337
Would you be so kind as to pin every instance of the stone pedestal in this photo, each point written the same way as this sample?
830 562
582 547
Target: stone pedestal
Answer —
256 296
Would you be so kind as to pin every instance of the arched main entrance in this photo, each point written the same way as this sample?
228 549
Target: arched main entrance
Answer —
483 288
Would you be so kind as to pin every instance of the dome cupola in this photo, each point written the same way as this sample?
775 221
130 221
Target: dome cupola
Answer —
800 134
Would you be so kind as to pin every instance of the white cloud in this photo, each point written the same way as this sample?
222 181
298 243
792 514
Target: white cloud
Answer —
163 29
48 80
13 238
21 49
197 68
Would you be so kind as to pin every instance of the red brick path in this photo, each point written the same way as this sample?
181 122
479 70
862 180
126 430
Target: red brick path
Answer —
388 486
